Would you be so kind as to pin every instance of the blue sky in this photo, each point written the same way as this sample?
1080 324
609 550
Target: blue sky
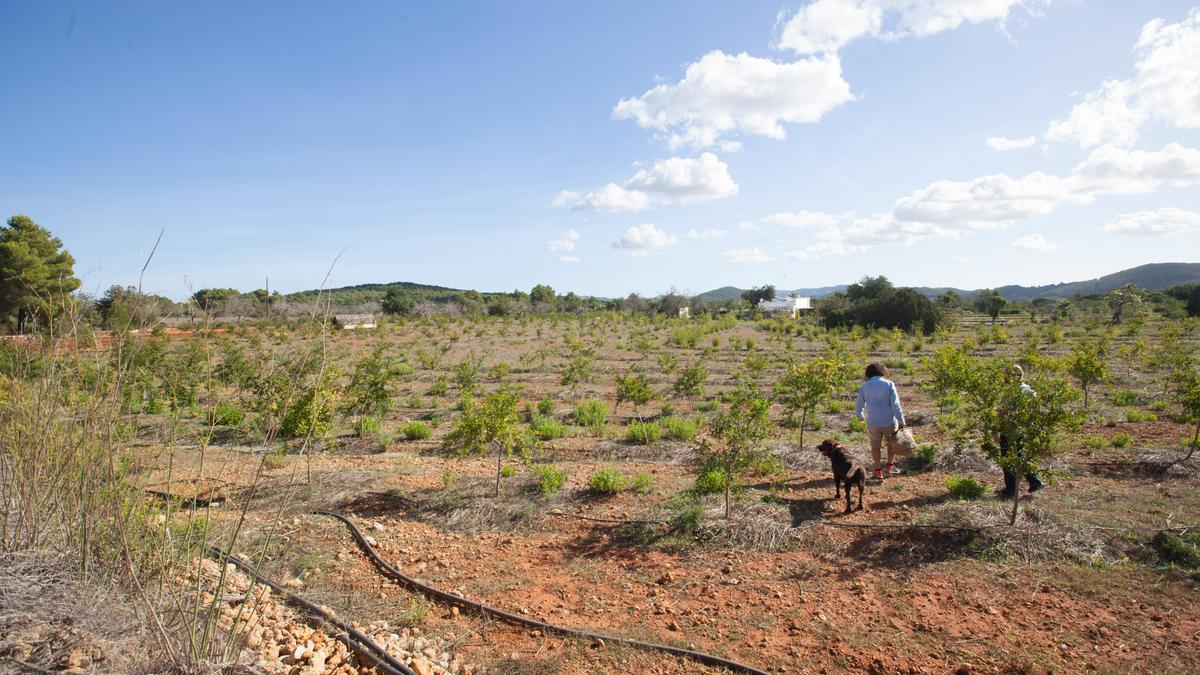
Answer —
604 147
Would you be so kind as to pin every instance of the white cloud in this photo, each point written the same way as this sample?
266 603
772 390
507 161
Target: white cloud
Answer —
824 26
614 198
1034 242
564 243
641 239
1165 87
677 180
565 198
707 233
747 256
723 94
801 219
1154 223
749 226
1001 143
999 200
568 259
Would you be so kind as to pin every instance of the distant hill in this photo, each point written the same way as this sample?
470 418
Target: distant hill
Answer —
1152 277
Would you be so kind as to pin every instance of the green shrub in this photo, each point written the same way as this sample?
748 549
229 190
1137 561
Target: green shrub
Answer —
1094 442
415 431
545 428
550 478
546 407
508 471
643 433
311 414
923 457
591 413
607 481
642 482
1181 551
368 426
711 482
226 414
1121 441
1124 397
1141 416
856 426
439 387
964 487
689 519
679 429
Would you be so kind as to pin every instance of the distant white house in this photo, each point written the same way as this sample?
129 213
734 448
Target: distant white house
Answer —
792 304
685 312
352 321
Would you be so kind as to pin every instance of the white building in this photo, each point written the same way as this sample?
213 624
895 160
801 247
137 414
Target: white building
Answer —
792 304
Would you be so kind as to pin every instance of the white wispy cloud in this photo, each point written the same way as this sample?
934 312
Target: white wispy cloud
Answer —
824 26
643 239
707 233
568 259
565 198
747 256
1035 242
1166 87
1002 143
566 242
677 180
1158 222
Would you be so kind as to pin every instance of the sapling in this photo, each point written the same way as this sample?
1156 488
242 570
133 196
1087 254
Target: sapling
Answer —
805 386
734 444
1086 364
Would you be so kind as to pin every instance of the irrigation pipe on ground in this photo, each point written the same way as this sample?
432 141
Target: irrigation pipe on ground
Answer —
430 591
357 641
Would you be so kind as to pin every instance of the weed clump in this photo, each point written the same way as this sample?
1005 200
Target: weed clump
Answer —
964 487
415 431
607 481
550 478
643 433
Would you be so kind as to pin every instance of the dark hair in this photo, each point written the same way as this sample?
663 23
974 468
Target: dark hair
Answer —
876 369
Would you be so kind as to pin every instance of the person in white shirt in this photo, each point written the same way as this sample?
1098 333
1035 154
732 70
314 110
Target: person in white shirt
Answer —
1016 375
879 404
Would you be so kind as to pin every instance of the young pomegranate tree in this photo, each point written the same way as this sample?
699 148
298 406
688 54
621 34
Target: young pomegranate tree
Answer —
734 443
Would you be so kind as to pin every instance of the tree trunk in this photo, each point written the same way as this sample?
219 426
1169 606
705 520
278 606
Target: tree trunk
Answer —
803 423
1012 520
727 499
499 461
1195 440
1085 397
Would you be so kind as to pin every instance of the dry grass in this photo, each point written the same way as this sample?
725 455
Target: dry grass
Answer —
49 620
470 505
752 525
1040 536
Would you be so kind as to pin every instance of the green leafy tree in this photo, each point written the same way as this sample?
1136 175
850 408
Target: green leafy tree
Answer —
754 296
542 295
805 386
1124 301
634 386
36 273
398 302
494 423
1064 309
691 379
869 288
1086 364
1187 395
369 391
1169 355
735 443
208 298
1031 423
990 302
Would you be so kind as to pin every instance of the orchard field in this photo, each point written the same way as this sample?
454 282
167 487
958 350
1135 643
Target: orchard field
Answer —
574 469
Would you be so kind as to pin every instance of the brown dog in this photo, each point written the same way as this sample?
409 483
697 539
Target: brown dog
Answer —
846 470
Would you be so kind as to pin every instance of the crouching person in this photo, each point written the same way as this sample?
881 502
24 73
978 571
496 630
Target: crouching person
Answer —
1016 375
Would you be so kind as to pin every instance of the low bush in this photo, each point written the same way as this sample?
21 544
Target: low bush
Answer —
1094 442
415 431
1124 397
679 429
642 483
545 428
508 471
1121 441
591 413
711 482
964 487
1179 550
550 478
923 456
643 433
856 426
226 414
607 481
1141 416
545 407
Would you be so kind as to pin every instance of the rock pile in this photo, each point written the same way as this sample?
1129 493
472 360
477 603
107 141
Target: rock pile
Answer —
278 640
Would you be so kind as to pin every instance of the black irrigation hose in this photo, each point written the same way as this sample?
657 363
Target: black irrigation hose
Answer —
354 639
707 659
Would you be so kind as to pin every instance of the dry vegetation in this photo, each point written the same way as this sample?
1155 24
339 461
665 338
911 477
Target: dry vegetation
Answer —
129 461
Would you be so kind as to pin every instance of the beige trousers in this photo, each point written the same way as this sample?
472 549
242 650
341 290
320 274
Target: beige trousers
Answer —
876 436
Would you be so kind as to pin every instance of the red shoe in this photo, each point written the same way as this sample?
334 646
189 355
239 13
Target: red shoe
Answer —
878 474
891 469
